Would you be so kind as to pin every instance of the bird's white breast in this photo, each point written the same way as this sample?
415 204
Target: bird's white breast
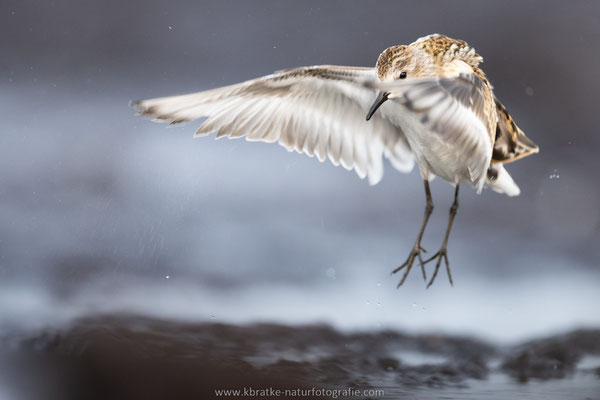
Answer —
435 155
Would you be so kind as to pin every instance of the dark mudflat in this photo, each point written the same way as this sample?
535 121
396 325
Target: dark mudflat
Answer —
135 357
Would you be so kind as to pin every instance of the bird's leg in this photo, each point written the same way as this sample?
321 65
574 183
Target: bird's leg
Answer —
417 249
442 254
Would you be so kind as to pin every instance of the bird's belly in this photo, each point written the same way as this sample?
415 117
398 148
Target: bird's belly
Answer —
434 155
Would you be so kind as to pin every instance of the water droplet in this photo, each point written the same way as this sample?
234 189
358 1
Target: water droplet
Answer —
167 276
378 283
212 317
330 273
414 304
170 28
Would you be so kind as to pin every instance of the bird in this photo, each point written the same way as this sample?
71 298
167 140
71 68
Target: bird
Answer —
427 103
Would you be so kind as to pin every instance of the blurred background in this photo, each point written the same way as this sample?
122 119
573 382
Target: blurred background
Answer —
102 211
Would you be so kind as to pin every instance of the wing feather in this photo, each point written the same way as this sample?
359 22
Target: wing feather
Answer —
319 111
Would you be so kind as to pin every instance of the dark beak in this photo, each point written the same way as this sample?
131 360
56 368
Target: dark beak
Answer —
381 98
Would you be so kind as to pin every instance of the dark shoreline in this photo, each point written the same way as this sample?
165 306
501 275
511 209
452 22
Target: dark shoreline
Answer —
132 356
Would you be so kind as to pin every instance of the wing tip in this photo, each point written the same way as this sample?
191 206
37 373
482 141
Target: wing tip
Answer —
137 106
141 109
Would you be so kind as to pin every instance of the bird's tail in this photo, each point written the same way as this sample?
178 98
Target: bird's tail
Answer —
499 180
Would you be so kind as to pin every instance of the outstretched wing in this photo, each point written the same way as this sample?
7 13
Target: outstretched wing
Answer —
457 108
316 110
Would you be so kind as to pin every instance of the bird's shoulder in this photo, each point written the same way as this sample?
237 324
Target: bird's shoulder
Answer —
449 53
444 49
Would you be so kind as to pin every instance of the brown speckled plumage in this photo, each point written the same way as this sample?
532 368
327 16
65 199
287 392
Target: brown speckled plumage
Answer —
510 142
442 49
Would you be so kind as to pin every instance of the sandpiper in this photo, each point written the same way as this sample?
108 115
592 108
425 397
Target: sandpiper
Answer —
427 102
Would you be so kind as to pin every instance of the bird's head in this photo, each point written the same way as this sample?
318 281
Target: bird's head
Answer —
398 63
404 62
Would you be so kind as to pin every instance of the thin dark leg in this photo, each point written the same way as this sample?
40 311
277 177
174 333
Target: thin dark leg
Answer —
417 249
443 254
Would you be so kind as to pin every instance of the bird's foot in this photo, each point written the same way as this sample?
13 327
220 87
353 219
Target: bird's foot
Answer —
414 254
442 254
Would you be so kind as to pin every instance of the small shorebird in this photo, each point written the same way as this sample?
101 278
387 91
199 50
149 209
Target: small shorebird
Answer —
427 102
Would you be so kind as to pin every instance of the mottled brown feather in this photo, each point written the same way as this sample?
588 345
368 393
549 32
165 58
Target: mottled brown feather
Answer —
443 49
510 142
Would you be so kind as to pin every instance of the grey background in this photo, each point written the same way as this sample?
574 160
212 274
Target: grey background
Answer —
101 210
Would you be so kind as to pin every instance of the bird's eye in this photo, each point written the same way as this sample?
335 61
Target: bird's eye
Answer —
402 75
